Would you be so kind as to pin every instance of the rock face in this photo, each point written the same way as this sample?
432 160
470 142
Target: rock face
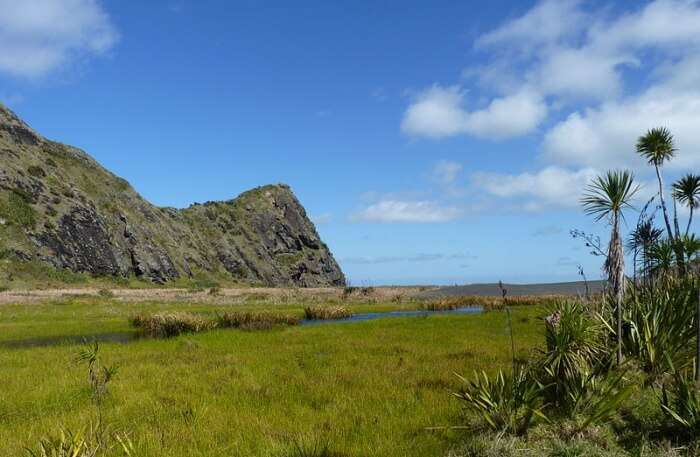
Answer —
59 206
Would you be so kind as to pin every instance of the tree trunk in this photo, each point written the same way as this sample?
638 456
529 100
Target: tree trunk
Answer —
690 219
663 202
678 245
616 277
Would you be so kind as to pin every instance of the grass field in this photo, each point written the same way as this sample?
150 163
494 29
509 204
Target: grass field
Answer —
354 389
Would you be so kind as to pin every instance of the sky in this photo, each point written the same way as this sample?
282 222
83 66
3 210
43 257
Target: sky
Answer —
432 142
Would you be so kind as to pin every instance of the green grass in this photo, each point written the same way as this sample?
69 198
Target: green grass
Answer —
351 389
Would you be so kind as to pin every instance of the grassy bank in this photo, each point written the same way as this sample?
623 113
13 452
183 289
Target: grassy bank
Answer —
360 389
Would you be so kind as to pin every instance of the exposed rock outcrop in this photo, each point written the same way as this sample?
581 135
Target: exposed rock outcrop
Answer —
59 206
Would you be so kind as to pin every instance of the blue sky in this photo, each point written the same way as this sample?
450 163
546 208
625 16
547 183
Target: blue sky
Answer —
432 142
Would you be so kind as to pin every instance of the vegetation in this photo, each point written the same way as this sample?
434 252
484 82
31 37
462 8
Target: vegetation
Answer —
606 198
367 388
326 312
166 325
255 320
650 405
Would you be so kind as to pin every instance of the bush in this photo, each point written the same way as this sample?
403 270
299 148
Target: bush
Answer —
508 402
680 401
574 341
254 321
661 319
326 312
167 325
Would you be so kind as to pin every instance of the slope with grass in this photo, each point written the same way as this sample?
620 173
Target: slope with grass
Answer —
61 212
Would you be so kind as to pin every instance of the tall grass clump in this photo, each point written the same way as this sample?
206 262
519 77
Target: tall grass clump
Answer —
507 402
571 378
166 325
680 401
662 321
326 312
254 321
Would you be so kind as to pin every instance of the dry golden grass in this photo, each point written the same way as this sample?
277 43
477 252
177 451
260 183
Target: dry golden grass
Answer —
255 320
165 325
326 312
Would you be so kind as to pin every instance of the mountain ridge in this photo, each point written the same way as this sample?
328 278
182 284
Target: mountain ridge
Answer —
59 206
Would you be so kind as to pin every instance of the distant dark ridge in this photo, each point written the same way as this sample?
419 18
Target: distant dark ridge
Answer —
558 288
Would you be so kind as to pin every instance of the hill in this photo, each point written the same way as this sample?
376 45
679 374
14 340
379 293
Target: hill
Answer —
60 209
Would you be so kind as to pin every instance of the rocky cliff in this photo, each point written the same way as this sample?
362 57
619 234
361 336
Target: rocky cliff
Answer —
58 206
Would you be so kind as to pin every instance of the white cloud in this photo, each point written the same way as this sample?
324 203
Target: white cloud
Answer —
549 21
39 36
606 73
439 112
407 211
606 135
550 187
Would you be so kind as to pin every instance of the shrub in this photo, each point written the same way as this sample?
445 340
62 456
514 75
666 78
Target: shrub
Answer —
661 319
326 312
92 442
574 341
254 321
680 401
508 402
167 325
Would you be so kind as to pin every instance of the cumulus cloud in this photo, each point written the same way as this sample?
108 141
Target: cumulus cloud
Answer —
40 36
606 135
550 187
606 75
408 212
439 112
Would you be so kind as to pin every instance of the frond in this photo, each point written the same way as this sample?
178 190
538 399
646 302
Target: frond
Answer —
609 194
687 190
657 145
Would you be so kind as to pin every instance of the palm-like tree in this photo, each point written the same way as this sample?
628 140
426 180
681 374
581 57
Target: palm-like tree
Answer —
605 198
641 239
657 146
687 191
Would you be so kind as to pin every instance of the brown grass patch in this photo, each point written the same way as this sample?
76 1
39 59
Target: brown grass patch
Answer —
326 312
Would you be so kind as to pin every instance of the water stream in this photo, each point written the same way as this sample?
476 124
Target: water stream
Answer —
130 336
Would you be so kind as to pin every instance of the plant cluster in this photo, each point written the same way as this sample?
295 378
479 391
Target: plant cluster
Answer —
648 326
167 325
326 312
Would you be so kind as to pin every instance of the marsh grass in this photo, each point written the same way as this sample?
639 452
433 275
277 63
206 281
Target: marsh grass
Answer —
166 325
255 320
210 394
326 312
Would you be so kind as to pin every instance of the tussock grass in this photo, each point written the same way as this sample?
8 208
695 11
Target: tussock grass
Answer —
255 320
326 312
166 325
